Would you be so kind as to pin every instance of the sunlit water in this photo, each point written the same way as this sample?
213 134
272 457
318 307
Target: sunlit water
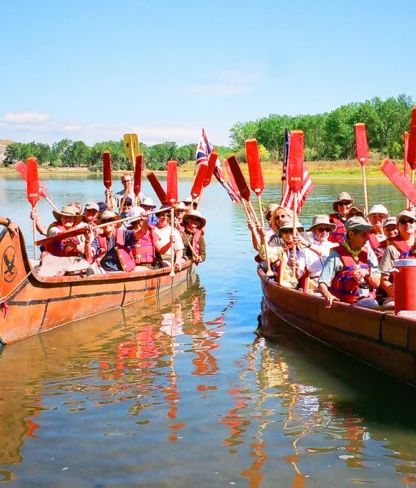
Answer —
179 392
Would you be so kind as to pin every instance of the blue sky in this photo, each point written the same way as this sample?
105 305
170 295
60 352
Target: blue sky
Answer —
93 70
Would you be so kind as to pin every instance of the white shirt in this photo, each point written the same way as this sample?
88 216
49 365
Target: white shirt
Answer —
164 235
313 262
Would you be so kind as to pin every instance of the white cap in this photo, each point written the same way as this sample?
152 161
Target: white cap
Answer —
148 202
378 208
138 211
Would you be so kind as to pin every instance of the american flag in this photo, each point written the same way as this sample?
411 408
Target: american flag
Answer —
203 150
288 196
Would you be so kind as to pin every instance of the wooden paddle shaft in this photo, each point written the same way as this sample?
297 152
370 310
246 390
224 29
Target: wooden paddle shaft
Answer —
365 189
264 238
172 257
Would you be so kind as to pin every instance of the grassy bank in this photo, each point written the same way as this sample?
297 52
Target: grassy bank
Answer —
271 170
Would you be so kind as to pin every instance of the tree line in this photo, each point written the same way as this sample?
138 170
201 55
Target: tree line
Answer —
328 136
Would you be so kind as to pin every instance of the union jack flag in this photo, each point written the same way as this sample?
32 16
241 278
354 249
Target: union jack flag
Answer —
203 150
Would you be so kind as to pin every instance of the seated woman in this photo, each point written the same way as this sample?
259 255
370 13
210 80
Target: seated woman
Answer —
180 211
193 239
275 216
67 254
289 266
146 247
172 236
315 253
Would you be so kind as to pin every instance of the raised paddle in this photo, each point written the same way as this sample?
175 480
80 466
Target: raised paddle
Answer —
131 147
20 166
32 191
199 181
138 169
212 161
406 169
242 186
157 187
399 180
411 151
107 178
172 197
361 147
232 182
257 185
295 176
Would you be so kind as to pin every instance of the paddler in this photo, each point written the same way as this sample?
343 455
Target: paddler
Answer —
193 236
341 207
377 214
351 274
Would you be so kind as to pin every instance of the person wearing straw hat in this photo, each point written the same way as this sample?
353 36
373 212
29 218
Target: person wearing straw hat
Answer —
169 236
400 247
193 238
350 273
149 205
289 267
314 254
341 207
377 240
180 212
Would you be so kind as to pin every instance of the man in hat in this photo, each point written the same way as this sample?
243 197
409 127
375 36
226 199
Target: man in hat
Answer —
399 247
341 207
149 205
377 214
318 249
350 273
91 211
171 236
127 207
11 226
193 238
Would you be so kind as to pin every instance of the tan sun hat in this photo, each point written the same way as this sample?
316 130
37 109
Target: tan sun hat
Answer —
288 224
322 220
358 208
357 223
341 197
68 211
195 214
108 216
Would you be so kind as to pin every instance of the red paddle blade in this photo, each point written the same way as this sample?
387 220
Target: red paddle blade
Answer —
411 152
107 178
157 187
32 181
172 182
361 145
405 151
21 168
231 177
399 180
199 181
254 166
296 161
212 162
239 179
138 169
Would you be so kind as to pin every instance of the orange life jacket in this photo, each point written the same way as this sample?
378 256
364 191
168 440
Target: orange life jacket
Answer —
124 255
60 248
143 250
344 286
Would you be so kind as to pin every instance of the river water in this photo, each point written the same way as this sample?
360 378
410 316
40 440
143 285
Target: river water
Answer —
179 392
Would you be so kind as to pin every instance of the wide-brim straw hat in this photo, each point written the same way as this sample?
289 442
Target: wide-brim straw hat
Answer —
322 220
108 216
195 214
68 212
341 197
288 224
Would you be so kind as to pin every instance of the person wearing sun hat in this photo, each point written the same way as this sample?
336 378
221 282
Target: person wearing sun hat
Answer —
376 238
390 227
180 212
170 237
188 202
355 210
315 253
341 207
350 273
399 247
149 205
193 237
67 219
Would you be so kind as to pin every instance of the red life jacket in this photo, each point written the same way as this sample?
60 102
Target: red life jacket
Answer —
127 261
59 248
405 250
143 250
338 235
377 246
344 286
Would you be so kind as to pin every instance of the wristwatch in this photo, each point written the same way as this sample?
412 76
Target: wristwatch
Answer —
8 222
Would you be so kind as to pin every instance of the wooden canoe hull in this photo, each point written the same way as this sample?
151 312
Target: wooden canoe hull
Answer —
36 304
378 338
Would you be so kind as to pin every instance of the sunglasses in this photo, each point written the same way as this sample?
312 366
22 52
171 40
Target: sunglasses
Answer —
164 215
406 221
287 231
277 217
125 181
323 229
344 203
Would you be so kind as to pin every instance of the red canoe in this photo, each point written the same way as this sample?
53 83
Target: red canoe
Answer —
376 337
31 305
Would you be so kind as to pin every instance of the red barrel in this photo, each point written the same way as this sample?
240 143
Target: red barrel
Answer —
405 285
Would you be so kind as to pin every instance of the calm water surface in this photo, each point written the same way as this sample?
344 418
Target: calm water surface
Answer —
179 392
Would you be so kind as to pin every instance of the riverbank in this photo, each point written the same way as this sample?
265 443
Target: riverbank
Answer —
271 170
